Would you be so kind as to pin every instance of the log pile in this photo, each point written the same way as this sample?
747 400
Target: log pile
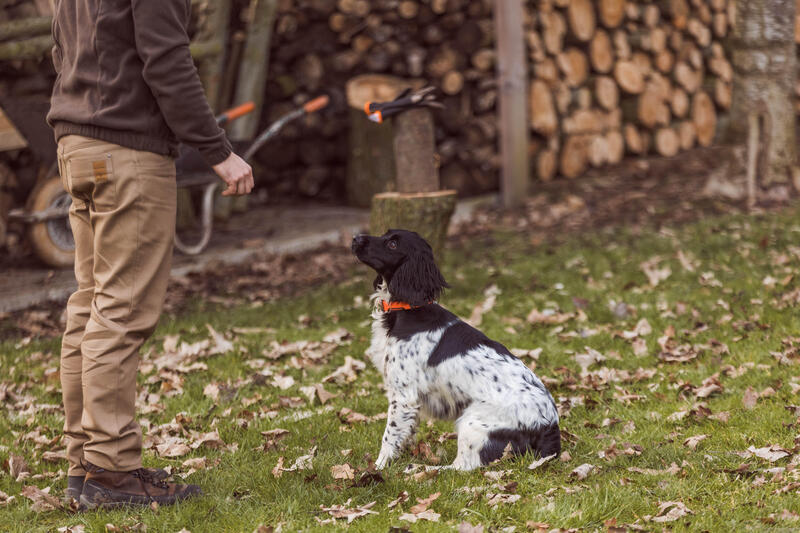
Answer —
607 78
616 77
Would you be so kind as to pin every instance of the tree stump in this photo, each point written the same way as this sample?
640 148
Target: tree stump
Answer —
426 213
371 161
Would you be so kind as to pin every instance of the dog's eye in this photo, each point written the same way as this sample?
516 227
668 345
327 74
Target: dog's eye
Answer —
392 245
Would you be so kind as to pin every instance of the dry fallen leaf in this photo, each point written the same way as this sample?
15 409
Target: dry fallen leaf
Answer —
401 498
343 511
338 337
642 329
304 462
750 398
548 317
221 344
323 395
278 470
347 373
424 503
42 500
425 515
585 360
521 353
692 442
17 466
490 296
722 416
495 499
678 354
769 453
55 456
640 347
539 462
344 471
272 436
671 511
496 475
173 447
210 440
582 472
283 382
654 273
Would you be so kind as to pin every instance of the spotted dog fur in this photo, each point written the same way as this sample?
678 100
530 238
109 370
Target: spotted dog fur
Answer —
436 365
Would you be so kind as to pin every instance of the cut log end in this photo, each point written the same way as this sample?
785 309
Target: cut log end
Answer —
426 213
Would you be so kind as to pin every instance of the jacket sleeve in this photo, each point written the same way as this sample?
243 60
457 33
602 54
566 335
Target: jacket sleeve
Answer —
163 46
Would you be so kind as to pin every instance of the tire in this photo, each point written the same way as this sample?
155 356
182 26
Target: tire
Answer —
52 239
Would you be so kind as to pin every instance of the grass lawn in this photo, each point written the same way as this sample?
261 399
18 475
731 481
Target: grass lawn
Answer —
670 354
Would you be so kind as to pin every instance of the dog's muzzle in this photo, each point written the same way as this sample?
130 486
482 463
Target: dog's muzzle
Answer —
359 242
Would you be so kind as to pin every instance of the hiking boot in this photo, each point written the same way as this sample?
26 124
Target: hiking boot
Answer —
107 489
75 483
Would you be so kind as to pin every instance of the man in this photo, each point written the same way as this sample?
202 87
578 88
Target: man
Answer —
126 92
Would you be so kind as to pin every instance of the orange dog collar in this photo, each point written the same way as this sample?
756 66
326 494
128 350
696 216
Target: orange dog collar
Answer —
398 306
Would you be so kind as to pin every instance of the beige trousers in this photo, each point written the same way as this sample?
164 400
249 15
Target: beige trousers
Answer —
123 220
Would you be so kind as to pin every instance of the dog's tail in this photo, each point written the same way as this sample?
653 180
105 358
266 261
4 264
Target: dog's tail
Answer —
544 442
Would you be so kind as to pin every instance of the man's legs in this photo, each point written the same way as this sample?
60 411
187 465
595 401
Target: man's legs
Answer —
131 197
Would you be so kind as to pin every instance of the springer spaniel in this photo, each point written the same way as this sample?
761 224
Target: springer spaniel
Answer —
436 364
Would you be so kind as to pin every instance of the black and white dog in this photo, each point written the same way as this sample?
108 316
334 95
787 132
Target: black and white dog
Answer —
434 363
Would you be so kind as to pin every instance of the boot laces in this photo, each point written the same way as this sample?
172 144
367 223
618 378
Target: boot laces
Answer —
148 477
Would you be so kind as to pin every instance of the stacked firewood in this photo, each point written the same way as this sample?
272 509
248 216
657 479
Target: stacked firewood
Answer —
611 77
607 78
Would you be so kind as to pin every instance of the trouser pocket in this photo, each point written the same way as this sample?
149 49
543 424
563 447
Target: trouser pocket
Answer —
93 179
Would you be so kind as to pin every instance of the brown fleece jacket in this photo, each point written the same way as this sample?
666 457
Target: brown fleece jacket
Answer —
125 76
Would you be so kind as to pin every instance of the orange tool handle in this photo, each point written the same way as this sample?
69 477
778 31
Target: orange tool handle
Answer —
320 102
239 111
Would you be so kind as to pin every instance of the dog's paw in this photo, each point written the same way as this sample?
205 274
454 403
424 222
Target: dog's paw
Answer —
382 462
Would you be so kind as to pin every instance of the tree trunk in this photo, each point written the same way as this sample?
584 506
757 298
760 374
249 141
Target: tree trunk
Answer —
253 68
765 71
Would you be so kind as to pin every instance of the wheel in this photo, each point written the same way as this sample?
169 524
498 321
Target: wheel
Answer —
52 239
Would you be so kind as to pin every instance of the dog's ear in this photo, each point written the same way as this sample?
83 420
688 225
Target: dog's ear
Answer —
418 280
378 282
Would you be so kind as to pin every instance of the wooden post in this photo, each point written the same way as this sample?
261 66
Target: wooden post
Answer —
213 66
211 69
252 77
512 84
254 67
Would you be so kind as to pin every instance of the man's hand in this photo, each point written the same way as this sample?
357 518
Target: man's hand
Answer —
237 174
